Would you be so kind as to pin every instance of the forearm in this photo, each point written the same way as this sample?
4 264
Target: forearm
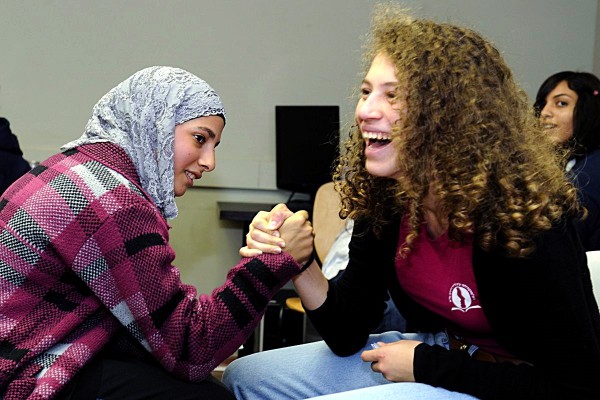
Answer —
189 334
312 287
233 310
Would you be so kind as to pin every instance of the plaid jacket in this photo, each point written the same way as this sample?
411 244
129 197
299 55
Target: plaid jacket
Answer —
84 258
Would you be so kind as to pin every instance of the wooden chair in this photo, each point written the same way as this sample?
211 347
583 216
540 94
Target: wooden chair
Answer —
326 219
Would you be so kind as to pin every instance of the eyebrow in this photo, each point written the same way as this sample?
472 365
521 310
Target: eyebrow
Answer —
207 130
391 83
562 94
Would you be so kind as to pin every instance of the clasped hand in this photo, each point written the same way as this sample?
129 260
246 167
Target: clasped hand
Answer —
393 360
278 230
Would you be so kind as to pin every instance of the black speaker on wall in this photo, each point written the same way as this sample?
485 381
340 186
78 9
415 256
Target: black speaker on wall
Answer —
307 145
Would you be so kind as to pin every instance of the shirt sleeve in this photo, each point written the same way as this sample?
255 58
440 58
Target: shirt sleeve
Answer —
127 263
356 301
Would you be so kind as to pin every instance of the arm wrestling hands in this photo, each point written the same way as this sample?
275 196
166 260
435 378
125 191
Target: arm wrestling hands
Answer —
275 231
271 232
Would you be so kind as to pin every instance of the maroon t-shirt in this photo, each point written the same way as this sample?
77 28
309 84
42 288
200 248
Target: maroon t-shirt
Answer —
438 274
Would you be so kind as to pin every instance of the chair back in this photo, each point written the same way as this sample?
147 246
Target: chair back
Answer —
326 218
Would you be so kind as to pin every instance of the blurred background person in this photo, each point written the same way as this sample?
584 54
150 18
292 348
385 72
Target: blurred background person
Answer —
12 163
568 104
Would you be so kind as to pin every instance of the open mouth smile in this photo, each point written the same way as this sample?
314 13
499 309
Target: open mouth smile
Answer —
376 139
191 176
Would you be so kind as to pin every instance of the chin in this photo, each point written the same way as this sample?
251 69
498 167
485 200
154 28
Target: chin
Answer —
383 172
178 192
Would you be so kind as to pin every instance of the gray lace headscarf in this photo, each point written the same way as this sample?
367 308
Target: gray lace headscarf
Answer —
140 115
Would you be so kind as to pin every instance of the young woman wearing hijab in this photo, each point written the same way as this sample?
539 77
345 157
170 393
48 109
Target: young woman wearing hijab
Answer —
464 215
568 104
91 305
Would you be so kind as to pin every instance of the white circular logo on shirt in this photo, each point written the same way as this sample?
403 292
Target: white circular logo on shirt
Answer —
462 297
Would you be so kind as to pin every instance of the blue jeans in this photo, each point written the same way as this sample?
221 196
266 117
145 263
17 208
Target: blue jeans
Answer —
392 319
311 370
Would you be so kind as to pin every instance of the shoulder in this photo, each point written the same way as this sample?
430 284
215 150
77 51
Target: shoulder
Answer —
74 173
369 243
364 227
586 174
595 155
75 186
589 162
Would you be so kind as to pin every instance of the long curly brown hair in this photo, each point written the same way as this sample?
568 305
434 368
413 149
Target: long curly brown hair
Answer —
469 129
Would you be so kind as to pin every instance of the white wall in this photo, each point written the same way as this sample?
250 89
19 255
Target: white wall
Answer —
60 56
596 69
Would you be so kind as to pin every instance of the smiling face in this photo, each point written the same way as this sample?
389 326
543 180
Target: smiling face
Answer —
377 111
557 115
194 150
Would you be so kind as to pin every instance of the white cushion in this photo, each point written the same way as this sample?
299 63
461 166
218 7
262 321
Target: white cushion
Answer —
593 258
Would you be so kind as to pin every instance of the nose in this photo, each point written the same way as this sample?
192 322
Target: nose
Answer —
207 159
546 112
369 108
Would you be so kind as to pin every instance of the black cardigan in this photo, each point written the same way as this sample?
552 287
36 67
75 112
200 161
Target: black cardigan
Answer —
541 309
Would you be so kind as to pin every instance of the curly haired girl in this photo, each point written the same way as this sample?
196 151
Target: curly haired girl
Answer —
463 213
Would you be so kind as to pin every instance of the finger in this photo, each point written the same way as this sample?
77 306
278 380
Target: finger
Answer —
281 207
375 367
368 355
262 247
302 214
270 221
298 218
246 252
261 221
256 237
278 214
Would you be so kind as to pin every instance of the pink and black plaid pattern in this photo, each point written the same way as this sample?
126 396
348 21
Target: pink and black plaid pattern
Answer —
84 257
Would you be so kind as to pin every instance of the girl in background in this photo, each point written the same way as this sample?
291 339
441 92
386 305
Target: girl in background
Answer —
568 104
12 163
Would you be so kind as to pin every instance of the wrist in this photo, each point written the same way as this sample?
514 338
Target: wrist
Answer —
309 262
